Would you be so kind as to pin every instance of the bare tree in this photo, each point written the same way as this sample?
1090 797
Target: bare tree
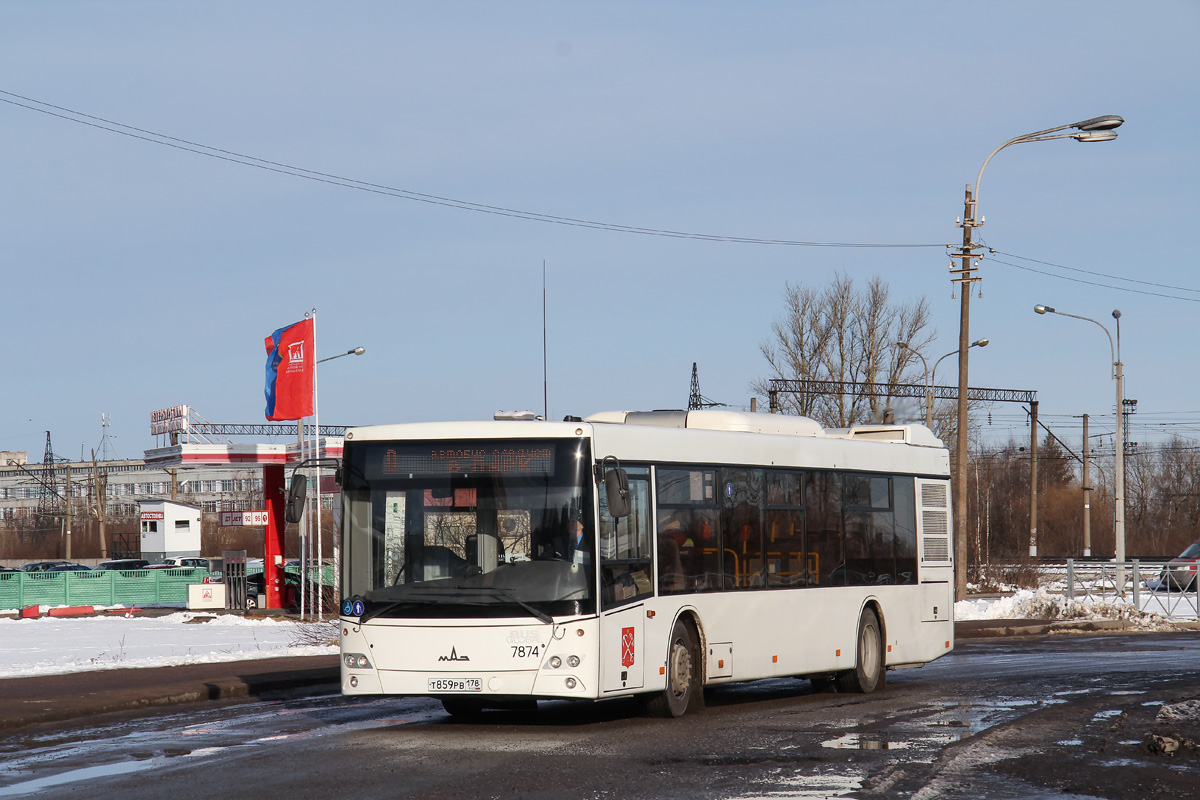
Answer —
840 333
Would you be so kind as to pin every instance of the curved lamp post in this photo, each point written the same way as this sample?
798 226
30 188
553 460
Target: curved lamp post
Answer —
1119 465
1096 129
337 552
358 351
930 375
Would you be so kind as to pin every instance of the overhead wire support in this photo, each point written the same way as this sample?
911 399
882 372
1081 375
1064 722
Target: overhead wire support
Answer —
855 388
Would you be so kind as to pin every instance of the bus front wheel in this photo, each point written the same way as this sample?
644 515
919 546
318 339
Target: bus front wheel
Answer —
868 673
683 686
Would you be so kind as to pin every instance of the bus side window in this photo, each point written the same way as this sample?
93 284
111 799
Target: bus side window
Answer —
741 524
906 529
823 527
625 547
688 517
788 563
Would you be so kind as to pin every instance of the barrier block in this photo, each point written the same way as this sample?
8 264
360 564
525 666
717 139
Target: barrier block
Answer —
31 612
72 611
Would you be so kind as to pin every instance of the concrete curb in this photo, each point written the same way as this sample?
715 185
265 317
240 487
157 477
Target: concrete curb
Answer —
985 629
68 701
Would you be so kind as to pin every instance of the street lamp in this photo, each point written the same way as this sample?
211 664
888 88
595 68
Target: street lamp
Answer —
358 351
1096 129
1119 465
337 561
930 375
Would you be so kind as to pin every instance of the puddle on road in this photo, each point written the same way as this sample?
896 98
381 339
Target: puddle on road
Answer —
854 741
109 770
72 776
808 787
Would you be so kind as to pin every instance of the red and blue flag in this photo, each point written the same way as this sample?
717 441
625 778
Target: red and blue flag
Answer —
290 372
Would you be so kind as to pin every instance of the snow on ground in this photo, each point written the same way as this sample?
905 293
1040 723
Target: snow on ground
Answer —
55 645
1052 605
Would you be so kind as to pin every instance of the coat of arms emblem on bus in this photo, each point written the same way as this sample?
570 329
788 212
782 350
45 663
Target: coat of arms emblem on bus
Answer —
627 657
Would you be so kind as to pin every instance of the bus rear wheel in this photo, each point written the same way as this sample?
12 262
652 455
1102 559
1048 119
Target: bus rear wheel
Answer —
868 673
683 686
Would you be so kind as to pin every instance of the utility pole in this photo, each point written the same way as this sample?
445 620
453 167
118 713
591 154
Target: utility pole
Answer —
67 554
1087 497
1033 484
965 277
101 492
174 472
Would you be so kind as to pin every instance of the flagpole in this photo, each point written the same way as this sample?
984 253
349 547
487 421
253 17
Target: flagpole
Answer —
317 440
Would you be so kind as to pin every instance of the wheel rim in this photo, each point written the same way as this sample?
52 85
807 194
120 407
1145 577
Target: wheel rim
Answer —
681 669
869 647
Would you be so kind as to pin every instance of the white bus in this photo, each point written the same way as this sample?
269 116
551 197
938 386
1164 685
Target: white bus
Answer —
495 563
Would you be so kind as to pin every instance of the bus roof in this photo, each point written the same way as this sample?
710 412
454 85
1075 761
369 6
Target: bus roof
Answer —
717 436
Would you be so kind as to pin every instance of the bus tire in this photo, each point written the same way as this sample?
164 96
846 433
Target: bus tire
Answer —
683 685
868 673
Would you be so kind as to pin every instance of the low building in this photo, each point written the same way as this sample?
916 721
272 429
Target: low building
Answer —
169 530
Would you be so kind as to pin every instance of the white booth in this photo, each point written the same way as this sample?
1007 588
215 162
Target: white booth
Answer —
169 530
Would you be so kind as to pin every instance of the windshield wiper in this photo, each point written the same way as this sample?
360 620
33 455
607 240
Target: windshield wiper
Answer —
375 612
540 615
503 594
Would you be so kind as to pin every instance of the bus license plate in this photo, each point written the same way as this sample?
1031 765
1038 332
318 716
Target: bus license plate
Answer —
455 685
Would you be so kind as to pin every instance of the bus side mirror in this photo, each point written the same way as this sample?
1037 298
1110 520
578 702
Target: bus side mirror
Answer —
295 498
616 488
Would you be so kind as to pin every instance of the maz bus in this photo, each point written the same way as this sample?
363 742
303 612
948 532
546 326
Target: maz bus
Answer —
496 563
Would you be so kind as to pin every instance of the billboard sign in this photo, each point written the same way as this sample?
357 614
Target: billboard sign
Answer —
244 519
169 420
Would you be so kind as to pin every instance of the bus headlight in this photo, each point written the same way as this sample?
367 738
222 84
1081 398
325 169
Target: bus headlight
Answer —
570 683
356 661
555 662
572 661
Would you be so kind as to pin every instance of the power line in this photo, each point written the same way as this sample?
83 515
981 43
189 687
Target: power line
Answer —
1097 283
1099 274
197 148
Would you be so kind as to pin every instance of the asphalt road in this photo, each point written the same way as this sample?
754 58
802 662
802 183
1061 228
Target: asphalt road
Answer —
1030 717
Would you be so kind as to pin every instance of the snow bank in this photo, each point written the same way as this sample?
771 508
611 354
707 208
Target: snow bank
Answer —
50 645
1042 604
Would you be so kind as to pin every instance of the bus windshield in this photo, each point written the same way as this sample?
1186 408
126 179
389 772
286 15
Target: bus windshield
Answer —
482 528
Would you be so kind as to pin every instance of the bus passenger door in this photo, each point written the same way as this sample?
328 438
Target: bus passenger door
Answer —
625 583
622 649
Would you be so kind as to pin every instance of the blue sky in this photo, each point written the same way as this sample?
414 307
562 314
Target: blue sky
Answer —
138 276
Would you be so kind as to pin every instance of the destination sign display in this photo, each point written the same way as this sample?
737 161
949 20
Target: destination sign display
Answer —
402 460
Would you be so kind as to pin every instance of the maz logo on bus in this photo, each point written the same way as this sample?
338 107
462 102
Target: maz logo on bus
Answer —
454 656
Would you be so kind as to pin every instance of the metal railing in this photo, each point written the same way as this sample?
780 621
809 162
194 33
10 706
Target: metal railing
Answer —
1140 585
1145 587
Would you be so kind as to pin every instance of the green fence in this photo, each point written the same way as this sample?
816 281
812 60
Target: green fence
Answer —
110 587
97 587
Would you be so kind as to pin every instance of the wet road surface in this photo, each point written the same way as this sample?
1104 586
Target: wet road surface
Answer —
1034 717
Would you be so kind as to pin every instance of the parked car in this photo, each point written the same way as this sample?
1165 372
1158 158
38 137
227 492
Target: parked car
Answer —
47 566
1180 572
68 567
188 562
124 563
